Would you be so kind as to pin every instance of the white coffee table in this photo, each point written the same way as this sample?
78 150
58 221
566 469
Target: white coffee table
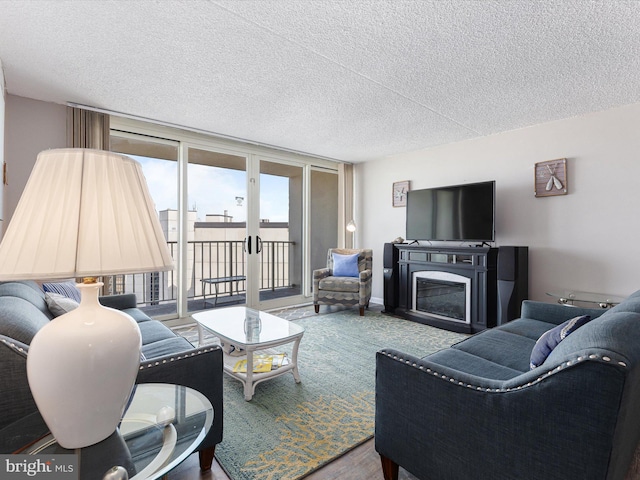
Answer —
252 331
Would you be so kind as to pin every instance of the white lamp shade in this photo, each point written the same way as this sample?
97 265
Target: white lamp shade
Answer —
83 213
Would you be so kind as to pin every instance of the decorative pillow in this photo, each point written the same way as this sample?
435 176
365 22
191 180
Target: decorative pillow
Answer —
551 338
345 265
68 289
59 304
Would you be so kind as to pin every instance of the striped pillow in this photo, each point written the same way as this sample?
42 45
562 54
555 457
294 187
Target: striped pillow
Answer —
59 304
68 289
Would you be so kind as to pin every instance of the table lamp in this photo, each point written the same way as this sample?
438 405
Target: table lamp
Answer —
84 213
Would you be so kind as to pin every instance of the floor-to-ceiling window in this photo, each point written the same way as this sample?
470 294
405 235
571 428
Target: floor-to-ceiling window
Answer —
244 223
281 233
156 292
216 228
323 222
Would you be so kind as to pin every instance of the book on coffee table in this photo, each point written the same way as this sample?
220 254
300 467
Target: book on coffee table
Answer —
261 364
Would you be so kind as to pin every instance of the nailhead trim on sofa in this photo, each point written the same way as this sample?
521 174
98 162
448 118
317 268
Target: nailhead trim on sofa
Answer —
179 357
569 363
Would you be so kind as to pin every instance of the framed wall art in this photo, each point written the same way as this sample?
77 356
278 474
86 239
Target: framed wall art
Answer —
400 189
551 178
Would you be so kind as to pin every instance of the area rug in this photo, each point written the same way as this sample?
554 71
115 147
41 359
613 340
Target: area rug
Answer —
288 430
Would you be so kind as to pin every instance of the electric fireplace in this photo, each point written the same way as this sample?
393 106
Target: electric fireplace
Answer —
442 295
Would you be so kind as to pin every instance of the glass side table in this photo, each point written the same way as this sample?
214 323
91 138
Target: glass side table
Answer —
162 425
590 299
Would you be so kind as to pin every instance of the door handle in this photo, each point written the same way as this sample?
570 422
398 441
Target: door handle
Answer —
259 244
246 245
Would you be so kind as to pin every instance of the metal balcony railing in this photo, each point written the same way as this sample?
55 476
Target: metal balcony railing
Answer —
210 259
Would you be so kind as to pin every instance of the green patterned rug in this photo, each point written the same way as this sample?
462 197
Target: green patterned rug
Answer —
289 430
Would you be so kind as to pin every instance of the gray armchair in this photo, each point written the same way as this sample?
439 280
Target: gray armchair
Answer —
329 289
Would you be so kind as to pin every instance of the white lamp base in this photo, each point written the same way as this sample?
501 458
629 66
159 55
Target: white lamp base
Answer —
81 369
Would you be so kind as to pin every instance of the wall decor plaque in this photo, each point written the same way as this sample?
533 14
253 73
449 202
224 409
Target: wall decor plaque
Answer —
400 189
551 178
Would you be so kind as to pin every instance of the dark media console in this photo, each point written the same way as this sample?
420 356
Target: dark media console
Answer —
462 289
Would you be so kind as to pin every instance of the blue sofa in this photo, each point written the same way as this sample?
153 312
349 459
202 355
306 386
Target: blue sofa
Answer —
477 410
168 358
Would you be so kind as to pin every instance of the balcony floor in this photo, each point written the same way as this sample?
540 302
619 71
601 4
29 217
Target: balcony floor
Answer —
223 301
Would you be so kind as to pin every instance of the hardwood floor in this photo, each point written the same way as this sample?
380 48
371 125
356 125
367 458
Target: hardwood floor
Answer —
361 463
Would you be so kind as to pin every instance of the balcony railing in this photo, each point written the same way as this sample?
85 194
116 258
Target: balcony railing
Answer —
209 259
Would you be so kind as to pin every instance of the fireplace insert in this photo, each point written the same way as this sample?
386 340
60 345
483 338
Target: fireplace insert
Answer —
442 295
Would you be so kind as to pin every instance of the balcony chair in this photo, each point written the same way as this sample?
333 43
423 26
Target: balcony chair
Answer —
346 280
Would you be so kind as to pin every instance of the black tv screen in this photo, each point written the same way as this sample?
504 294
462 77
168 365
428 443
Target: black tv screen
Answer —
458 212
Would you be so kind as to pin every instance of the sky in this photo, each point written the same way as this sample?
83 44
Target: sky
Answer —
213 190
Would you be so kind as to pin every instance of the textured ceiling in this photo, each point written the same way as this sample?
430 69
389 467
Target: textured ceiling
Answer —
352 80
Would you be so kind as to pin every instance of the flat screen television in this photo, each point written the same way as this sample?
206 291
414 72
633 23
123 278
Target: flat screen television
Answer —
463 213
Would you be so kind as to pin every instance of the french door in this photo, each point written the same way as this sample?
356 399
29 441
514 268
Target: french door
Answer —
237 221
276 223
244 229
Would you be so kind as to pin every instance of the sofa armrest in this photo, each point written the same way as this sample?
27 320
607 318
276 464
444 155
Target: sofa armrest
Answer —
16 400
365 287
556 313
199 368
318 275
119 302
428 417
22 432
365 276
321 273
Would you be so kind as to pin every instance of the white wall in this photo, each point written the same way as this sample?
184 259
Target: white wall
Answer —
586 240
31 127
